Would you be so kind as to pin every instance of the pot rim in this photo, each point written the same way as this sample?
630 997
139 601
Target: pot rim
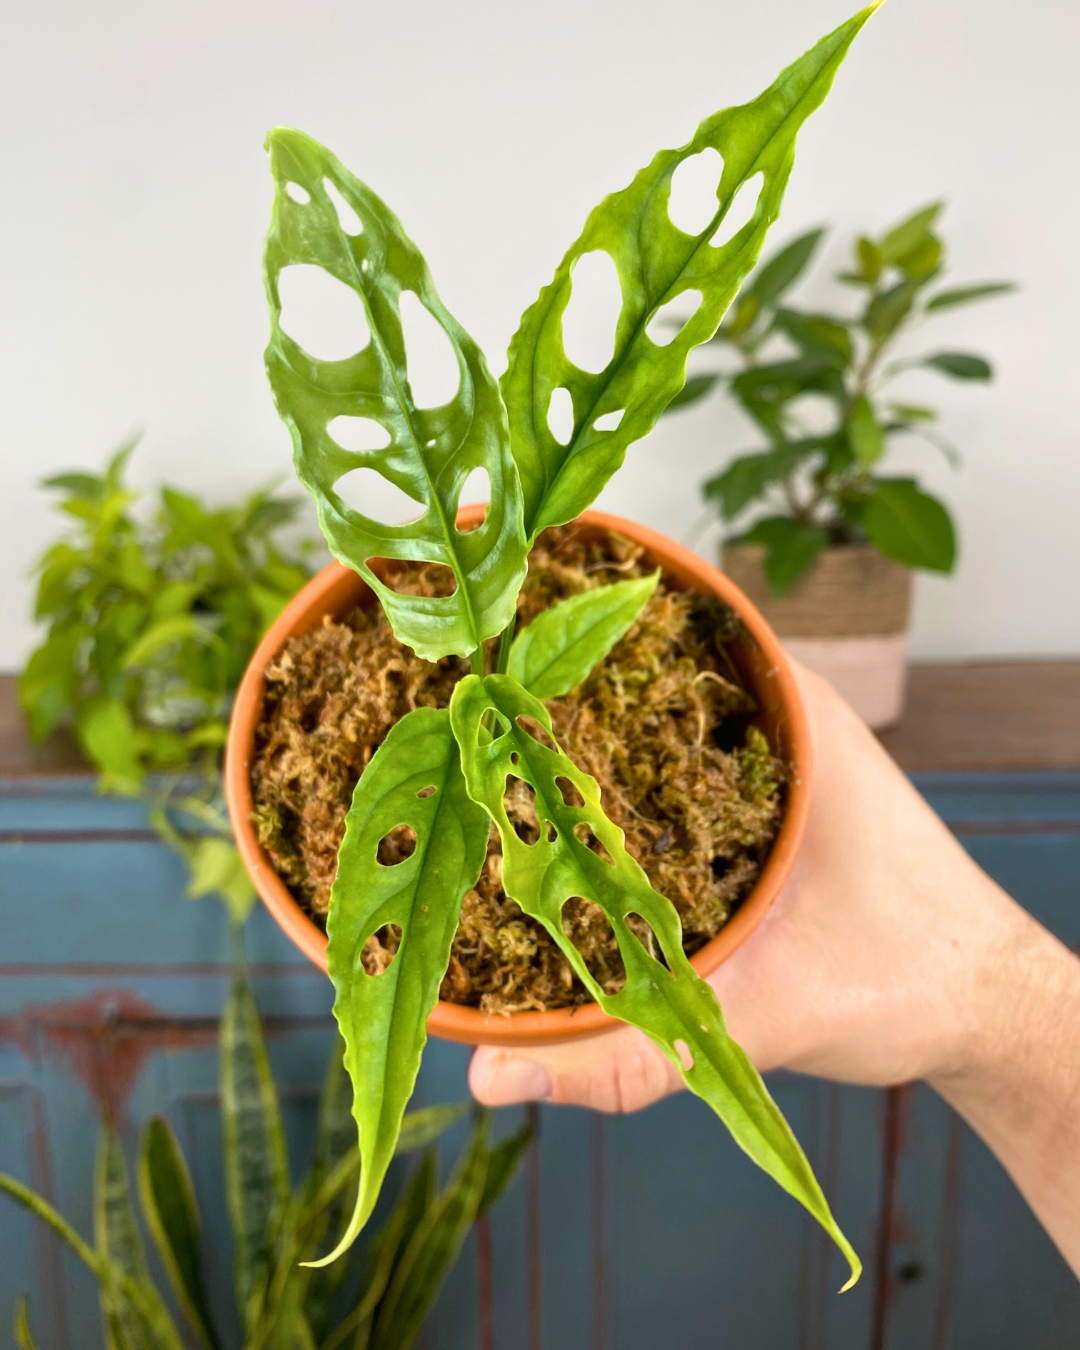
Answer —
336 583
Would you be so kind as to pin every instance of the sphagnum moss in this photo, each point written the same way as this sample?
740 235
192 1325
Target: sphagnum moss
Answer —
661 724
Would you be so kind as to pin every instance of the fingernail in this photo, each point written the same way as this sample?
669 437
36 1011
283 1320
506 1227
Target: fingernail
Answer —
517 1080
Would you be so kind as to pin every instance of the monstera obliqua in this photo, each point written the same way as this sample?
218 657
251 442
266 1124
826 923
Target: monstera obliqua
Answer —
444 772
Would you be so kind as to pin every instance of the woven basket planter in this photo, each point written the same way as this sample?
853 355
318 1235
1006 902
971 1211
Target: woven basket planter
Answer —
847 619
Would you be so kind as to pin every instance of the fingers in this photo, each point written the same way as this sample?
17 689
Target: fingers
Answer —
617 1072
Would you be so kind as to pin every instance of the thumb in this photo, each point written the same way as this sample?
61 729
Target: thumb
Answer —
620 1070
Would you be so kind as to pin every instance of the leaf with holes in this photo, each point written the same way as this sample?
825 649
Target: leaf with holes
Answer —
660 268
667 1000
414 780
431 450
563 644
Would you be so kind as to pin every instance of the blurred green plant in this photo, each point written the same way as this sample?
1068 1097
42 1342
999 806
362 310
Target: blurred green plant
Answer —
374 1299
825 486
150 627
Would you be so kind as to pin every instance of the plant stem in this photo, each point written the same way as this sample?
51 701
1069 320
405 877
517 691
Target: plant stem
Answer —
476 661
506 641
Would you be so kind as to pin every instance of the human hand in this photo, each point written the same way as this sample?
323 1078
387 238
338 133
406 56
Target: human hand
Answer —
864 970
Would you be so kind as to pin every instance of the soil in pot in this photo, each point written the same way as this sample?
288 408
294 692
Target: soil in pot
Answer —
663 724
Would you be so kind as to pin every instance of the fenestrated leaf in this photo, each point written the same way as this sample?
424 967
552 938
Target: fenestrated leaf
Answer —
420 1269
657 263
383 1017
168 1201
784 268
563 644
965 295
256 1164
791 549
748 476
910 526
431 450
960 365
669 1002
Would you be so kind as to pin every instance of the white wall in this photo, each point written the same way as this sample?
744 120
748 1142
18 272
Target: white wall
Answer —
136 195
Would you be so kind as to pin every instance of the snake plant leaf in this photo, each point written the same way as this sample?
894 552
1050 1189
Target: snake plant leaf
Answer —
24 1337
503 1162
433 1248
256 1164
667 1000
120 1245
431 451
168 1202
413 779
658 265
563 644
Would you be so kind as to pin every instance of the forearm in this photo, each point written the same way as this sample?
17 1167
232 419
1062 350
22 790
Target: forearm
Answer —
1016 1075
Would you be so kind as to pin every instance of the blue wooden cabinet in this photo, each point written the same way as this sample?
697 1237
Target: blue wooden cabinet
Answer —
622 1233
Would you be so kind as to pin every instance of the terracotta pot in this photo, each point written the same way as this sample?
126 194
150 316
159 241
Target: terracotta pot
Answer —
336 590
846 619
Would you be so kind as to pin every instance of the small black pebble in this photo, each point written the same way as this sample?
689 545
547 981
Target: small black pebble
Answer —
663 843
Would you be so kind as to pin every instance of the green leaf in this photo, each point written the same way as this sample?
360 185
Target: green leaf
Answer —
965 295
24 1337
902 238
256 1164
910 526
503 1163
791 549
50 680
107 733
695 389
168 1202
748 477
217 869
179 628
563 644
383 1017
784 268
818 336
431 450
887 311
657 264
960 365
667 1000
422 1127
921 262
864 433
86 485
912 412
433 1248
870 260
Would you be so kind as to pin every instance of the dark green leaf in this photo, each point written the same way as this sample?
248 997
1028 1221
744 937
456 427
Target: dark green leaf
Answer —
960 365
964 295
669 1002
910 526
783 269
563 644
695 389
902 238
816 336
433 1249
657 264
256 1164
168 1201
791 549
864 433
746 478
503 1162
431 450
887 311
383 1017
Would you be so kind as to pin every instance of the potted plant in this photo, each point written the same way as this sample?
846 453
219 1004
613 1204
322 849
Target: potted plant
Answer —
830 562
453 717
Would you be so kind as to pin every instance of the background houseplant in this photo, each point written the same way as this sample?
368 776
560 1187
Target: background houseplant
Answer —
829 564
150 623
443 773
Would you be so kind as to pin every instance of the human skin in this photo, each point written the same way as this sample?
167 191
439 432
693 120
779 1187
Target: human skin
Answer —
888 956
